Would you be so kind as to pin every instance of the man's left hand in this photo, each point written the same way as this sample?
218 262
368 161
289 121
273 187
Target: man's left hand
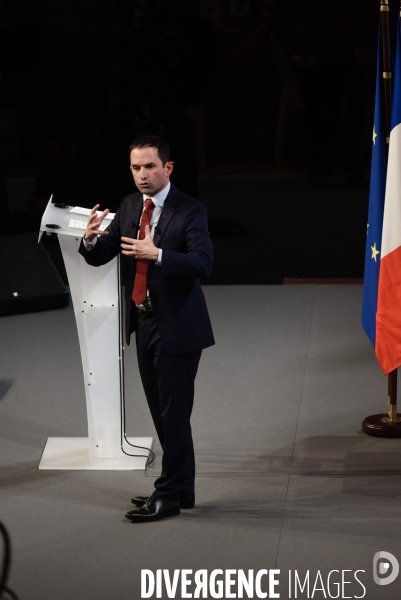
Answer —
142 249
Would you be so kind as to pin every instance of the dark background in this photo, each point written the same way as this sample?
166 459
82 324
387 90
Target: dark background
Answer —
267 106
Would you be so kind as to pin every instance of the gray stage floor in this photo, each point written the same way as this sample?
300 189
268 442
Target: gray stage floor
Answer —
286 479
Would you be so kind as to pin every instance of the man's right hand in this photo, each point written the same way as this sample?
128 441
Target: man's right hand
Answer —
94 222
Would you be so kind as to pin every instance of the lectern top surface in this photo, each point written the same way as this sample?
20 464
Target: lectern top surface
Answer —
62 220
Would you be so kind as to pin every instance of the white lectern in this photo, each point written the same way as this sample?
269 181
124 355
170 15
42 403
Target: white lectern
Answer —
97 304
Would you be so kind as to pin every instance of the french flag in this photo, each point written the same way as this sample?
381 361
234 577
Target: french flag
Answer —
388 315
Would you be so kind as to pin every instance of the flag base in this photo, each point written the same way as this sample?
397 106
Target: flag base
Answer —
382 425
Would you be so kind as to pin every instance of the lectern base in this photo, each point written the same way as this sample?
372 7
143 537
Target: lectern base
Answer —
73 454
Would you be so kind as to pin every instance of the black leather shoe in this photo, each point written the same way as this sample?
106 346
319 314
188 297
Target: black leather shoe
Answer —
186 502
154 510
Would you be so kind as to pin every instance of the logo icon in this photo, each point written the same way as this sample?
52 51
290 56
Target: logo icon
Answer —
385 563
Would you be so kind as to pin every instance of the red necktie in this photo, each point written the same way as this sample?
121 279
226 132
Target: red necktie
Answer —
139 293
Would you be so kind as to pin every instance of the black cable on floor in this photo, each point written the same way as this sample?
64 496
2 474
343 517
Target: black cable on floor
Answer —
5 592
150 457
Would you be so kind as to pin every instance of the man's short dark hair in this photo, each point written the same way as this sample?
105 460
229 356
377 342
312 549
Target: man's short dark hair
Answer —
153 141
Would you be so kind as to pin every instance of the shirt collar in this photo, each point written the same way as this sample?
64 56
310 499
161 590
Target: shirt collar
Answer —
159 198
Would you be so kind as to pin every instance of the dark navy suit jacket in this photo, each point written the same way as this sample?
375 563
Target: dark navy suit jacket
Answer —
176 296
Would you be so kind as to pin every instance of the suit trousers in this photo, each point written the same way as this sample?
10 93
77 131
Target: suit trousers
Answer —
169 384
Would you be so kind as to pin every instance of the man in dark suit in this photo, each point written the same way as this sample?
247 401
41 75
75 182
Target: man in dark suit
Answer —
164 234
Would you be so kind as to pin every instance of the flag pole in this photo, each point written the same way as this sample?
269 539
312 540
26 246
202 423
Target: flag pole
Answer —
388 424
386 54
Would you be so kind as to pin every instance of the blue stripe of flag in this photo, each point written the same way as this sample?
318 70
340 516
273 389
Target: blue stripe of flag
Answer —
376 207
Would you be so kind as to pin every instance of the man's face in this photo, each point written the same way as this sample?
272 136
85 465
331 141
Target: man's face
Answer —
147 169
